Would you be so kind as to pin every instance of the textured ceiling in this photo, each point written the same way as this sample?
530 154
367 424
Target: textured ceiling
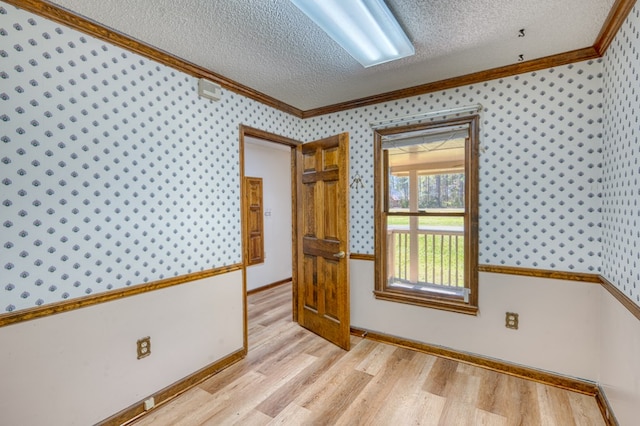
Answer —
272 47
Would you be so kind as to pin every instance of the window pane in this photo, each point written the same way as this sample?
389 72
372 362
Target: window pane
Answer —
398 193
441 191
425 251
426 176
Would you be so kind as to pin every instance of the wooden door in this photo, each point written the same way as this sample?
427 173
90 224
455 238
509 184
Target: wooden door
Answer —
255 222
323 217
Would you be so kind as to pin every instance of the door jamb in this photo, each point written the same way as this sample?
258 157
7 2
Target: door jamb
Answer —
283 140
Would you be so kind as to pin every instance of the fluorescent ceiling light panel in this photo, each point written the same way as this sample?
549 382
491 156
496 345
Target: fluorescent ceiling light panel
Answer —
365 28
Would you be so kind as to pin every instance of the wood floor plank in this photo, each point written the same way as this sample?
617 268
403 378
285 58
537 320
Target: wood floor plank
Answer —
248 398
463 388
524 408
485 418
278 305
555 408
278 401
407 399
493 393
293 414
585 413
252 418
286 332
265 336
334 375
337 373
290 376
376 359
277 362
263 353
428 409
329 408
441 373
376 394
275 317
457 413
270 345
419 408
223 402
404 353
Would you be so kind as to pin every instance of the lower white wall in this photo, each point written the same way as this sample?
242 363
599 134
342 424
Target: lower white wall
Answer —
272 163
80 367
619 367
557 331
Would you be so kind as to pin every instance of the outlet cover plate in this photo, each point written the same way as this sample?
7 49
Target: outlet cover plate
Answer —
511 320
144 347
149 404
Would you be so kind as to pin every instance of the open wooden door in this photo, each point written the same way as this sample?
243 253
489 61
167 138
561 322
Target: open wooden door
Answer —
323 229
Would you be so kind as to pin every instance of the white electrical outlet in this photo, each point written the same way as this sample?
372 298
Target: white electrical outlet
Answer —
149 404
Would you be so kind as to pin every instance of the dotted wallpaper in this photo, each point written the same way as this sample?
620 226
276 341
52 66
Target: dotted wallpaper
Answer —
113 172
541 136
621 165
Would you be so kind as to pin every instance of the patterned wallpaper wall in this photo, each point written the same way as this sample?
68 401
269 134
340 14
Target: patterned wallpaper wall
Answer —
621 160
113 172
541 136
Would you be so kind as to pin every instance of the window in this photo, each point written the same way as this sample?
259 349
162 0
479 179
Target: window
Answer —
426 214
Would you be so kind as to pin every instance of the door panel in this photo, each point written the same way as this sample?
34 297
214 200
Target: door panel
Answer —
310 278
331 303
323 284
331 210
309 162
308 213
254 220
330 157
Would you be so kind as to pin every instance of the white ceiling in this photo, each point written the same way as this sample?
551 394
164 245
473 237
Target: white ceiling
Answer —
272 47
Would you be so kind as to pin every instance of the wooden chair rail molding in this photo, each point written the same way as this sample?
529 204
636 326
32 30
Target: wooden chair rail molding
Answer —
82 302
55 308
541 273
616 18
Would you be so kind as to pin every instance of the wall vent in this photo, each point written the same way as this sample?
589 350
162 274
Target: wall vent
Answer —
209 89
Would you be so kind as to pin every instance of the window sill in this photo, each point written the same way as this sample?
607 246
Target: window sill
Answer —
432 302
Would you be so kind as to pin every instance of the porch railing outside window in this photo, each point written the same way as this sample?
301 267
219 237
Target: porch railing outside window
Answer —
439 260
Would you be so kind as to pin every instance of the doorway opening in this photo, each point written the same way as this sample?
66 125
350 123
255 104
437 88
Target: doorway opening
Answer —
268 200
319 229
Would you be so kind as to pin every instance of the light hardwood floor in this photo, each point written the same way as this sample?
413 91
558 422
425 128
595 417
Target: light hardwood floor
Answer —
293 377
